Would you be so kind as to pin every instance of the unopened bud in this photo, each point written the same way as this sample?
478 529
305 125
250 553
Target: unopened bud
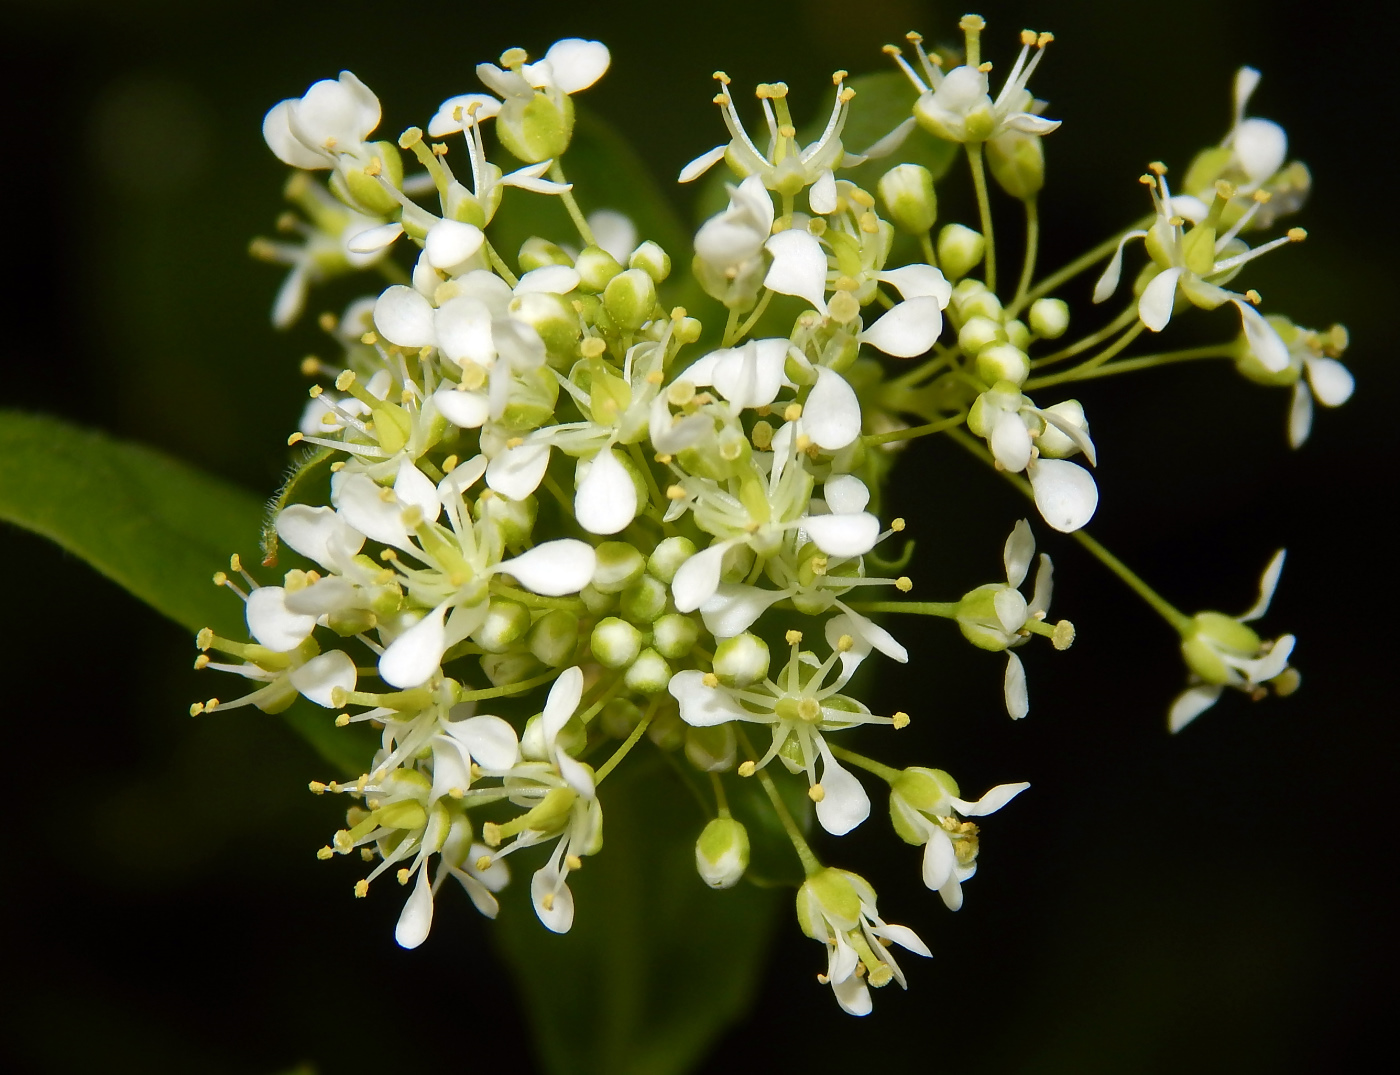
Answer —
667 557
960 249
536 253
652 260
979 332
630 298
595 267
506 622
615 643
722 853
1017 161
1002 362
648 674
643 601
1053 442
1049 318
554 637
741 660
907 191
674 635
537 128
619 566
711 750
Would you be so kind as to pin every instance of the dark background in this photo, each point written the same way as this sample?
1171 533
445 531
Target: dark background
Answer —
1210 902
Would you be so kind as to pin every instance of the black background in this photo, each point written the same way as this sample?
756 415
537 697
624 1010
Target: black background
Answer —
1210 902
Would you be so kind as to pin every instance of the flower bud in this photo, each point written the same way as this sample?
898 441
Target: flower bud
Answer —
1049 318
907 191
595 267
648 674
1017 161
515 519
979 332
711 750
619 566
595 601
674 635
1002 362
643 601
553 319
536 253
506 623
1055 444
667 557
615 643
630 299
688 330
554 637
1017 334
619 717
1212 633
503 669
960 249
652 260
667 730
722 853
827 896
919 791
977 301
538 128
741 660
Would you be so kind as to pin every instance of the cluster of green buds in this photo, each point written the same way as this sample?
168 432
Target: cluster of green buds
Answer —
541 515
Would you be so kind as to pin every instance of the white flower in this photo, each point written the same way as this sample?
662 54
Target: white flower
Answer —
330 120
531 132
1312 370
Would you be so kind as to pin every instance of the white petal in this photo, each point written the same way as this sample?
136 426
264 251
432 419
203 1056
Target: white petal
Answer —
904 937
1067 418
1332 381
291 298
702 706
614 232
845 494
698 578
919 282
1108 283
842 535
462 328
1193 209
1010 609
1044 586
1158 298
445 121
747 376
853 995
821 198
414 656
845 804
451 768
892 141
606 500
1017 701
952 893
451 242
319 677
799 267
701 164
1262 337
577 63
1065 493
1261 147
549 279
404 317
991 802
287 146
490 741
330 594
841 959
417 917
1264 668
559 916
477 892
575 774
1011 441
873 635
374 239
1268 583
414 487
517 472
363 506
272 623
318 534
1019 551
939 859
468 410
554 568
461 479
1246 79
831 415
496 876
734 608
1190 704
908 330
1029 123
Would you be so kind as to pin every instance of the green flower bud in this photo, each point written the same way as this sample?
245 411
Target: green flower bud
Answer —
515 519
1002 362
711 750
1017 161
1049 318
619 717
960 249
652 260
918 791
630 299
722 853
595 601
536 253
643 601
979 332
648 674
688 330
554 638
907 191
827 895
667 557
351 621
978 302
741 660
619 566
667 730
538 128
1017 334
595 268
615 643
674 635
554 319
503 669
506 623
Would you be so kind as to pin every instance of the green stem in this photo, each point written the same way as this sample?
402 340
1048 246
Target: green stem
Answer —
499 264
627 744
947 609
721 802
1180 622
556 173
1074 268
510 688
1032 247
810 863
915 431
1166 358
984 210
932 366
750 321
1087 367
926 245
870 765
534 600
1122 321
602 700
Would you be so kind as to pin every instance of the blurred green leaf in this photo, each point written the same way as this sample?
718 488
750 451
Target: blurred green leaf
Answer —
153 525
657 965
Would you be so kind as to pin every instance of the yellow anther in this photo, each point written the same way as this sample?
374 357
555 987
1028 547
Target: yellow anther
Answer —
361 889
710 680
592 347
914 37
794 638
1254 296
316 787
816 793
204 639
456 793
369 338
720 76
337 466
985 66
1262 196
900 720
818 564
402 876
1147 180
573 862
663 458
211 705
904 584
844 643
1176 221
439 149
376 166
1028 37
655 377
295 438
483 863
328 322
891 50
1063 636
515 442
1157 168
837 77
746 768
201 662
897 526
721 99
1044 39
803 442
342 720
315 390
863 197
675 492
196 709
345 380
547 901
220 579
869 223
1297 235
324 853
491 833
366 854
449 464
235 562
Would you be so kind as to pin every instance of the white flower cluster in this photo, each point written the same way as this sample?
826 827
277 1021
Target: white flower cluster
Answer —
555 513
